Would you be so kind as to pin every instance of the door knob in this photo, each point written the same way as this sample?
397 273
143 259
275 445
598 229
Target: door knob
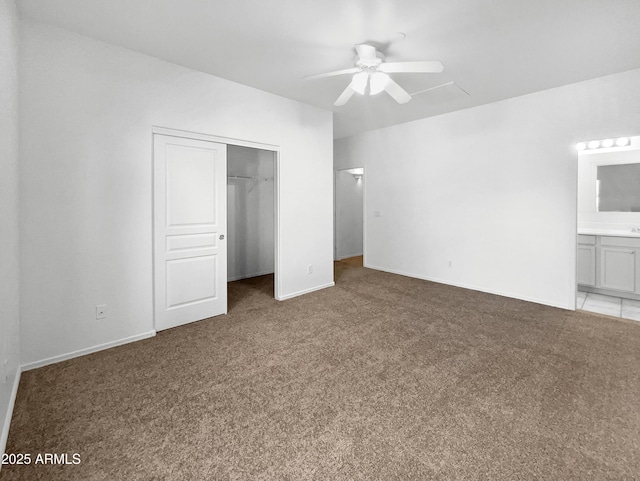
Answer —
221 236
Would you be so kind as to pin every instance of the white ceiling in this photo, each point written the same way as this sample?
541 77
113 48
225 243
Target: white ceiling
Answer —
492 49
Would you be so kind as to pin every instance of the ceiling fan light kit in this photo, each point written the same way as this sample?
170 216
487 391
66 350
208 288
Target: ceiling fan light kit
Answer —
372 71
378 82
359 82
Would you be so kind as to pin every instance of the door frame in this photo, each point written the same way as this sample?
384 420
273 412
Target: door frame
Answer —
276 198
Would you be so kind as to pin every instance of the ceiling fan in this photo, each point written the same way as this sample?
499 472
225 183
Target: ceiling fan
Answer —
371 70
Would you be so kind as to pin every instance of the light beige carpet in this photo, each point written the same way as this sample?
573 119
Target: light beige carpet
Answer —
382 377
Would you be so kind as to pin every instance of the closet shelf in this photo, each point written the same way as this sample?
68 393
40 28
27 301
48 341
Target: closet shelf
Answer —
247 177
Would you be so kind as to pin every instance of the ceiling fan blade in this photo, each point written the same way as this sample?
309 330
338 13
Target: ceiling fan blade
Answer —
428 66
344 96
366 52
399 94
332 74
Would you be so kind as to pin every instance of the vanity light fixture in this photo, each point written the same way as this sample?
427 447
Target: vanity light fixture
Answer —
603 144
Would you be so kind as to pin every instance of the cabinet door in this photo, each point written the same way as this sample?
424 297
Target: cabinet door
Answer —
586 265
618 268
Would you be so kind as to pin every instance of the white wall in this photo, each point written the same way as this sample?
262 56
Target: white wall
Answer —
9 250
342 158
250 208
490 189
87 111
348 215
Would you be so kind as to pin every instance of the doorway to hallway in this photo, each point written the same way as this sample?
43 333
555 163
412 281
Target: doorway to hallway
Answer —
349 218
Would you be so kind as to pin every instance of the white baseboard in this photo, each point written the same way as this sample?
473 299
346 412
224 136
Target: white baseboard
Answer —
470 286
348 256
306 291
7 421
89 350
247 276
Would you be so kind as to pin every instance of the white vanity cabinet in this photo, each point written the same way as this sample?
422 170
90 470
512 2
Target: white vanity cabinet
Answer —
587 260
610 264
619 263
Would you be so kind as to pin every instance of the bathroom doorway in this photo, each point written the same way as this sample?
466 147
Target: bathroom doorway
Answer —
608 227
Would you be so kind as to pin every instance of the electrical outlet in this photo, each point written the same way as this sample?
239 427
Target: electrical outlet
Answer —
450 264
101 311
310 269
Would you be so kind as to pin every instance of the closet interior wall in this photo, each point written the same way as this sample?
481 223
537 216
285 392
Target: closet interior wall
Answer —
250 212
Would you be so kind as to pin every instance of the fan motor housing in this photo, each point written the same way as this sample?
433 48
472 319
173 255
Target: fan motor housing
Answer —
369 63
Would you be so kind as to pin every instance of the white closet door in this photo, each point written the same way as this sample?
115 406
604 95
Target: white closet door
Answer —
190 221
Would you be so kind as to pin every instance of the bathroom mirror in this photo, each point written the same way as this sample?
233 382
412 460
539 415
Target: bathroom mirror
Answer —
618 188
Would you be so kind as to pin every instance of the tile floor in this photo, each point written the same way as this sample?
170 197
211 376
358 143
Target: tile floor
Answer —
609 305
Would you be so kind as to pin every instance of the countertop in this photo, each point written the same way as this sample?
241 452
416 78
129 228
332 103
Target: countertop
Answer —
608 232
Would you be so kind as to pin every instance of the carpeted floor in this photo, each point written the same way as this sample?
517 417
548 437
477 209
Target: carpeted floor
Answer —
382 377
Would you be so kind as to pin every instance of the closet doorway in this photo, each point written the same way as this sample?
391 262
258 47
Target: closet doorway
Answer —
251 215
211 224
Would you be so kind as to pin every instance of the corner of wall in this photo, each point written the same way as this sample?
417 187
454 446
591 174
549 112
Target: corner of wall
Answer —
9 217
